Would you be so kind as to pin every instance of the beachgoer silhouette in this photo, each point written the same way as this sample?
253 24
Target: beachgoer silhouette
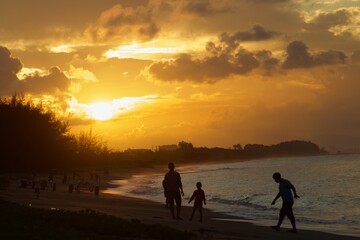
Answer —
199 196
173 188
285 193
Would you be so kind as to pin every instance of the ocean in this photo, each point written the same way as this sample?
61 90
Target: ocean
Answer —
328 186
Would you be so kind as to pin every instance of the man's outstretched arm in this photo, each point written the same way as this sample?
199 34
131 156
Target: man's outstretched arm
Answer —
276 198
294 190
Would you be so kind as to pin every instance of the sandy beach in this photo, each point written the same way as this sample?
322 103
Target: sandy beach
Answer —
149 212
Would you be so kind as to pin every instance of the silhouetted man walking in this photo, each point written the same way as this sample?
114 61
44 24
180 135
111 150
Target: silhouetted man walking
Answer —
285 188
173 188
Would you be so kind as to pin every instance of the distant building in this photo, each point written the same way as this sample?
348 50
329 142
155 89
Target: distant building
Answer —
172 147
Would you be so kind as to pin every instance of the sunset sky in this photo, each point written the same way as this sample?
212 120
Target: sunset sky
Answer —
210 72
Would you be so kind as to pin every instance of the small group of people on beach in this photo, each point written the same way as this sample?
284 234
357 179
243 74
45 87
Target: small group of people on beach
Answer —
173 190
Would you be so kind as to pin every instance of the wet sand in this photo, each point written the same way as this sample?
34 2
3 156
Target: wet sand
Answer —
150 212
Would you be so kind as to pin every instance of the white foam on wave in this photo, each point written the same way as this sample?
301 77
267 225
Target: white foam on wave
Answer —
328 187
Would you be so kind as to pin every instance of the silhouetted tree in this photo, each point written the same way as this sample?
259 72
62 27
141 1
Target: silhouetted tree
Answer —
255 147
90 149
32 138
237 147
185 146
296 147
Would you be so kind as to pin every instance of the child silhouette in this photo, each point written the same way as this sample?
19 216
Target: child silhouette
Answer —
199 196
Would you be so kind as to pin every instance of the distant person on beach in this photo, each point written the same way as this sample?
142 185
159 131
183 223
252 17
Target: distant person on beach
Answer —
199 196
285 193
173 187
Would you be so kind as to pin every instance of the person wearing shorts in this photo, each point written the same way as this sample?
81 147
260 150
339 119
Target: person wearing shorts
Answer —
285 188
173 188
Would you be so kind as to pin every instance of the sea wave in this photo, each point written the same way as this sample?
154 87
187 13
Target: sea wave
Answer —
329 193
246 202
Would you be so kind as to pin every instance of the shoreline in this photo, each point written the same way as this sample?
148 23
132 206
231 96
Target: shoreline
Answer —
151 212
224 216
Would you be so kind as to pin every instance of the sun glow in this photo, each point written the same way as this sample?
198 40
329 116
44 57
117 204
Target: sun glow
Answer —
141 51
62 49
103 111
29 71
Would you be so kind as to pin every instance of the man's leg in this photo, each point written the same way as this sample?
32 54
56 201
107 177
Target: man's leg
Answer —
170 201
172 211
178 206
282 215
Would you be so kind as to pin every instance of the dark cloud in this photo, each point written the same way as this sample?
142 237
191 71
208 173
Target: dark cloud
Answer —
329 57
59 19
298 56
52 82
331 29
9 67
223 62
37 83
269 63
327 20
149 31
226 57
124 22
203 7
245 61
185 68
257 33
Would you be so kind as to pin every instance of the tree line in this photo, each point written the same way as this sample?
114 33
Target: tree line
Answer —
187 153
33 138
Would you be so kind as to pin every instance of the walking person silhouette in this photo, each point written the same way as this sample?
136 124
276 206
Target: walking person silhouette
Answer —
199 196
173 187
285 187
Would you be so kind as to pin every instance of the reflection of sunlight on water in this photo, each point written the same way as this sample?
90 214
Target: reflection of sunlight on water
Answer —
118 187
143 186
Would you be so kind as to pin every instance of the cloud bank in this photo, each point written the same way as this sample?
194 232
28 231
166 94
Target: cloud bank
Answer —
227 57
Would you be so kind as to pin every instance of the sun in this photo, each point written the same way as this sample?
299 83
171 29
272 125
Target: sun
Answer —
107 110
101 111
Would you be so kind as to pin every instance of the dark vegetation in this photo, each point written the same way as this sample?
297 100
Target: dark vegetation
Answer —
186 153
33 139
22 222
